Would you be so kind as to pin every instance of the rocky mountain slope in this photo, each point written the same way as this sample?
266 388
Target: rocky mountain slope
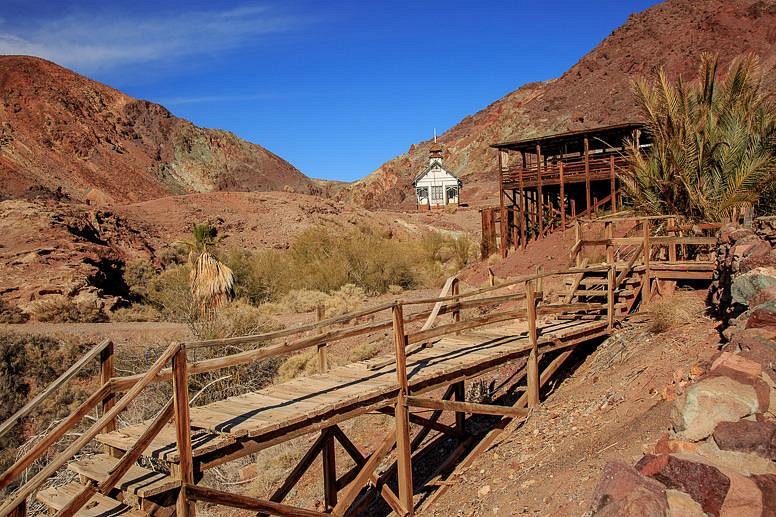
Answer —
595 91
60 129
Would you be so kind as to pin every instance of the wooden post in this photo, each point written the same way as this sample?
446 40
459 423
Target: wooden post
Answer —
522 203
491 278
185 471
672 245
460 416
532 367
646 284
403 453
562 197
539 193
609 232
578 239
515 224
612 274
587 174
613 184
595 207
573 208
107 370
323 362
329 461
502 164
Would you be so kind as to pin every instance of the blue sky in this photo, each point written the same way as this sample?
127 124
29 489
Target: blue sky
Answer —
335 87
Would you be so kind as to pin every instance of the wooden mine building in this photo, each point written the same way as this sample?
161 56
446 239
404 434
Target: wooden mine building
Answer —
547 182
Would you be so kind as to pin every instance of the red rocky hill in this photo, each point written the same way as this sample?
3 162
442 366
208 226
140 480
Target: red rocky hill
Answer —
60 129
595 91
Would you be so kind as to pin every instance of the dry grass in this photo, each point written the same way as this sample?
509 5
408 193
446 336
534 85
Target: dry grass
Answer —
11 314
62 309
136 312
674 311
296 365
364 351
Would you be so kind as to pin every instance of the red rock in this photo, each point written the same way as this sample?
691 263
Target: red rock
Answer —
623 491
744 496
738 363
666 445
766 295
747 436
705 484
767 485
763 315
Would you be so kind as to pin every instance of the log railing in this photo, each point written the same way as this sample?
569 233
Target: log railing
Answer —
519 300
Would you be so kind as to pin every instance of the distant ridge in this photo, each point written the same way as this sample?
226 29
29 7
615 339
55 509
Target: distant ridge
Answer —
61 129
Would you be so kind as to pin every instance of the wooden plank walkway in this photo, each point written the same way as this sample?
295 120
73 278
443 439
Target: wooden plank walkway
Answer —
302 405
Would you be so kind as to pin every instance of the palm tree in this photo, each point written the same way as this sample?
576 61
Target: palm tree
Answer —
714 143
211 281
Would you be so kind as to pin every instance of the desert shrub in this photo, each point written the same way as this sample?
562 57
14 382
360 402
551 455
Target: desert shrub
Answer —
11 313
237 318
28 363
346 299
62 309
138 275
169 292
136 312
298 364
304 300
464 250
395 289
674 311
364 351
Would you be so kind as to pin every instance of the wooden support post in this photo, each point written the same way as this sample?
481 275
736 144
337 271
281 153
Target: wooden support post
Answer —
522 204
672 245
19 511
515 223
323 361
562 197
532 366
609 234
573 208
491 278
403 452
646 283
587 175
595 207
107 371
180 385
611 276
460 416
329 471
502 165
539 193
613 184
578 239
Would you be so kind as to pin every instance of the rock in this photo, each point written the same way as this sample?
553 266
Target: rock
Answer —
744 463
623 491
767 485
737 363
765 295
747 436
763 316
703 483
746 286
249 471
483 491
710 401
665 445
744 496
682 505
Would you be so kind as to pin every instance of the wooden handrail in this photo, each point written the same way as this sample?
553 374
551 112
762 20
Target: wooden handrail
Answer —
30 406
33 484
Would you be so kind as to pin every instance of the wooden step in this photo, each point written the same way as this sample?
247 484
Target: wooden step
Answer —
164 445
56 497
138 481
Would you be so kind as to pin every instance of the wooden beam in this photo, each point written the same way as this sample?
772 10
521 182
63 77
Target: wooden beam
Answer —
562 196
460 416
647 253
107 371
329 472
418 439
611 277
213 496
465 407
522 203
502 164
613 184
346 444
299 470
539 193
323 361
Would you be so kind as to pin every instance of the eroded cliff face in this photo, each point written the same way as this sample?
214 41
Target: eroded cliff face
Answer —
596 91
60 129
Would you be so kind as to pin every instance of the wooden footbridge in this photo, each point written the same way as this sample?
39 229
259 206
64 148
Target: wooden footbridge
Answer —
511 324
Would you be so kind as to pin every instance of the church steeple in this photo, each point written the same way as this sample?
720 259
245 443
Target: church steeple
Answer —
435 153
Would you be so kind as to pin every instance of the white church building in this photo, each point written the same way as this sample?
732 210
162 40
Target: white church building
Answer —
435 186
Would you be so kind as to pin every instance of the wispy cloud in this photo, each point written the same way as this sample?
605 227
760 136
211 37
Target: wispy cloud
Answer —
174 101
90 41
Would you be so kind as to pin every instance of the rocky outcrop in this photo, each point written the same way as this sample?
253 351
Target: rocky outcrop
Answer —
721 453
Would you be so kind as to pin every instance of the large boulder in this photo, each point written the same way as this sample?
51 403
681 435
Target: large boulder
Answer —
748 285
757 437
703 405
682 505
623 491
704 483
763 316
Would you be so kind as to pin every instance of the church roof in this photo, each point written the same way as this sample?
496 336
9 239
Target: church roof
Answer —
429 167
